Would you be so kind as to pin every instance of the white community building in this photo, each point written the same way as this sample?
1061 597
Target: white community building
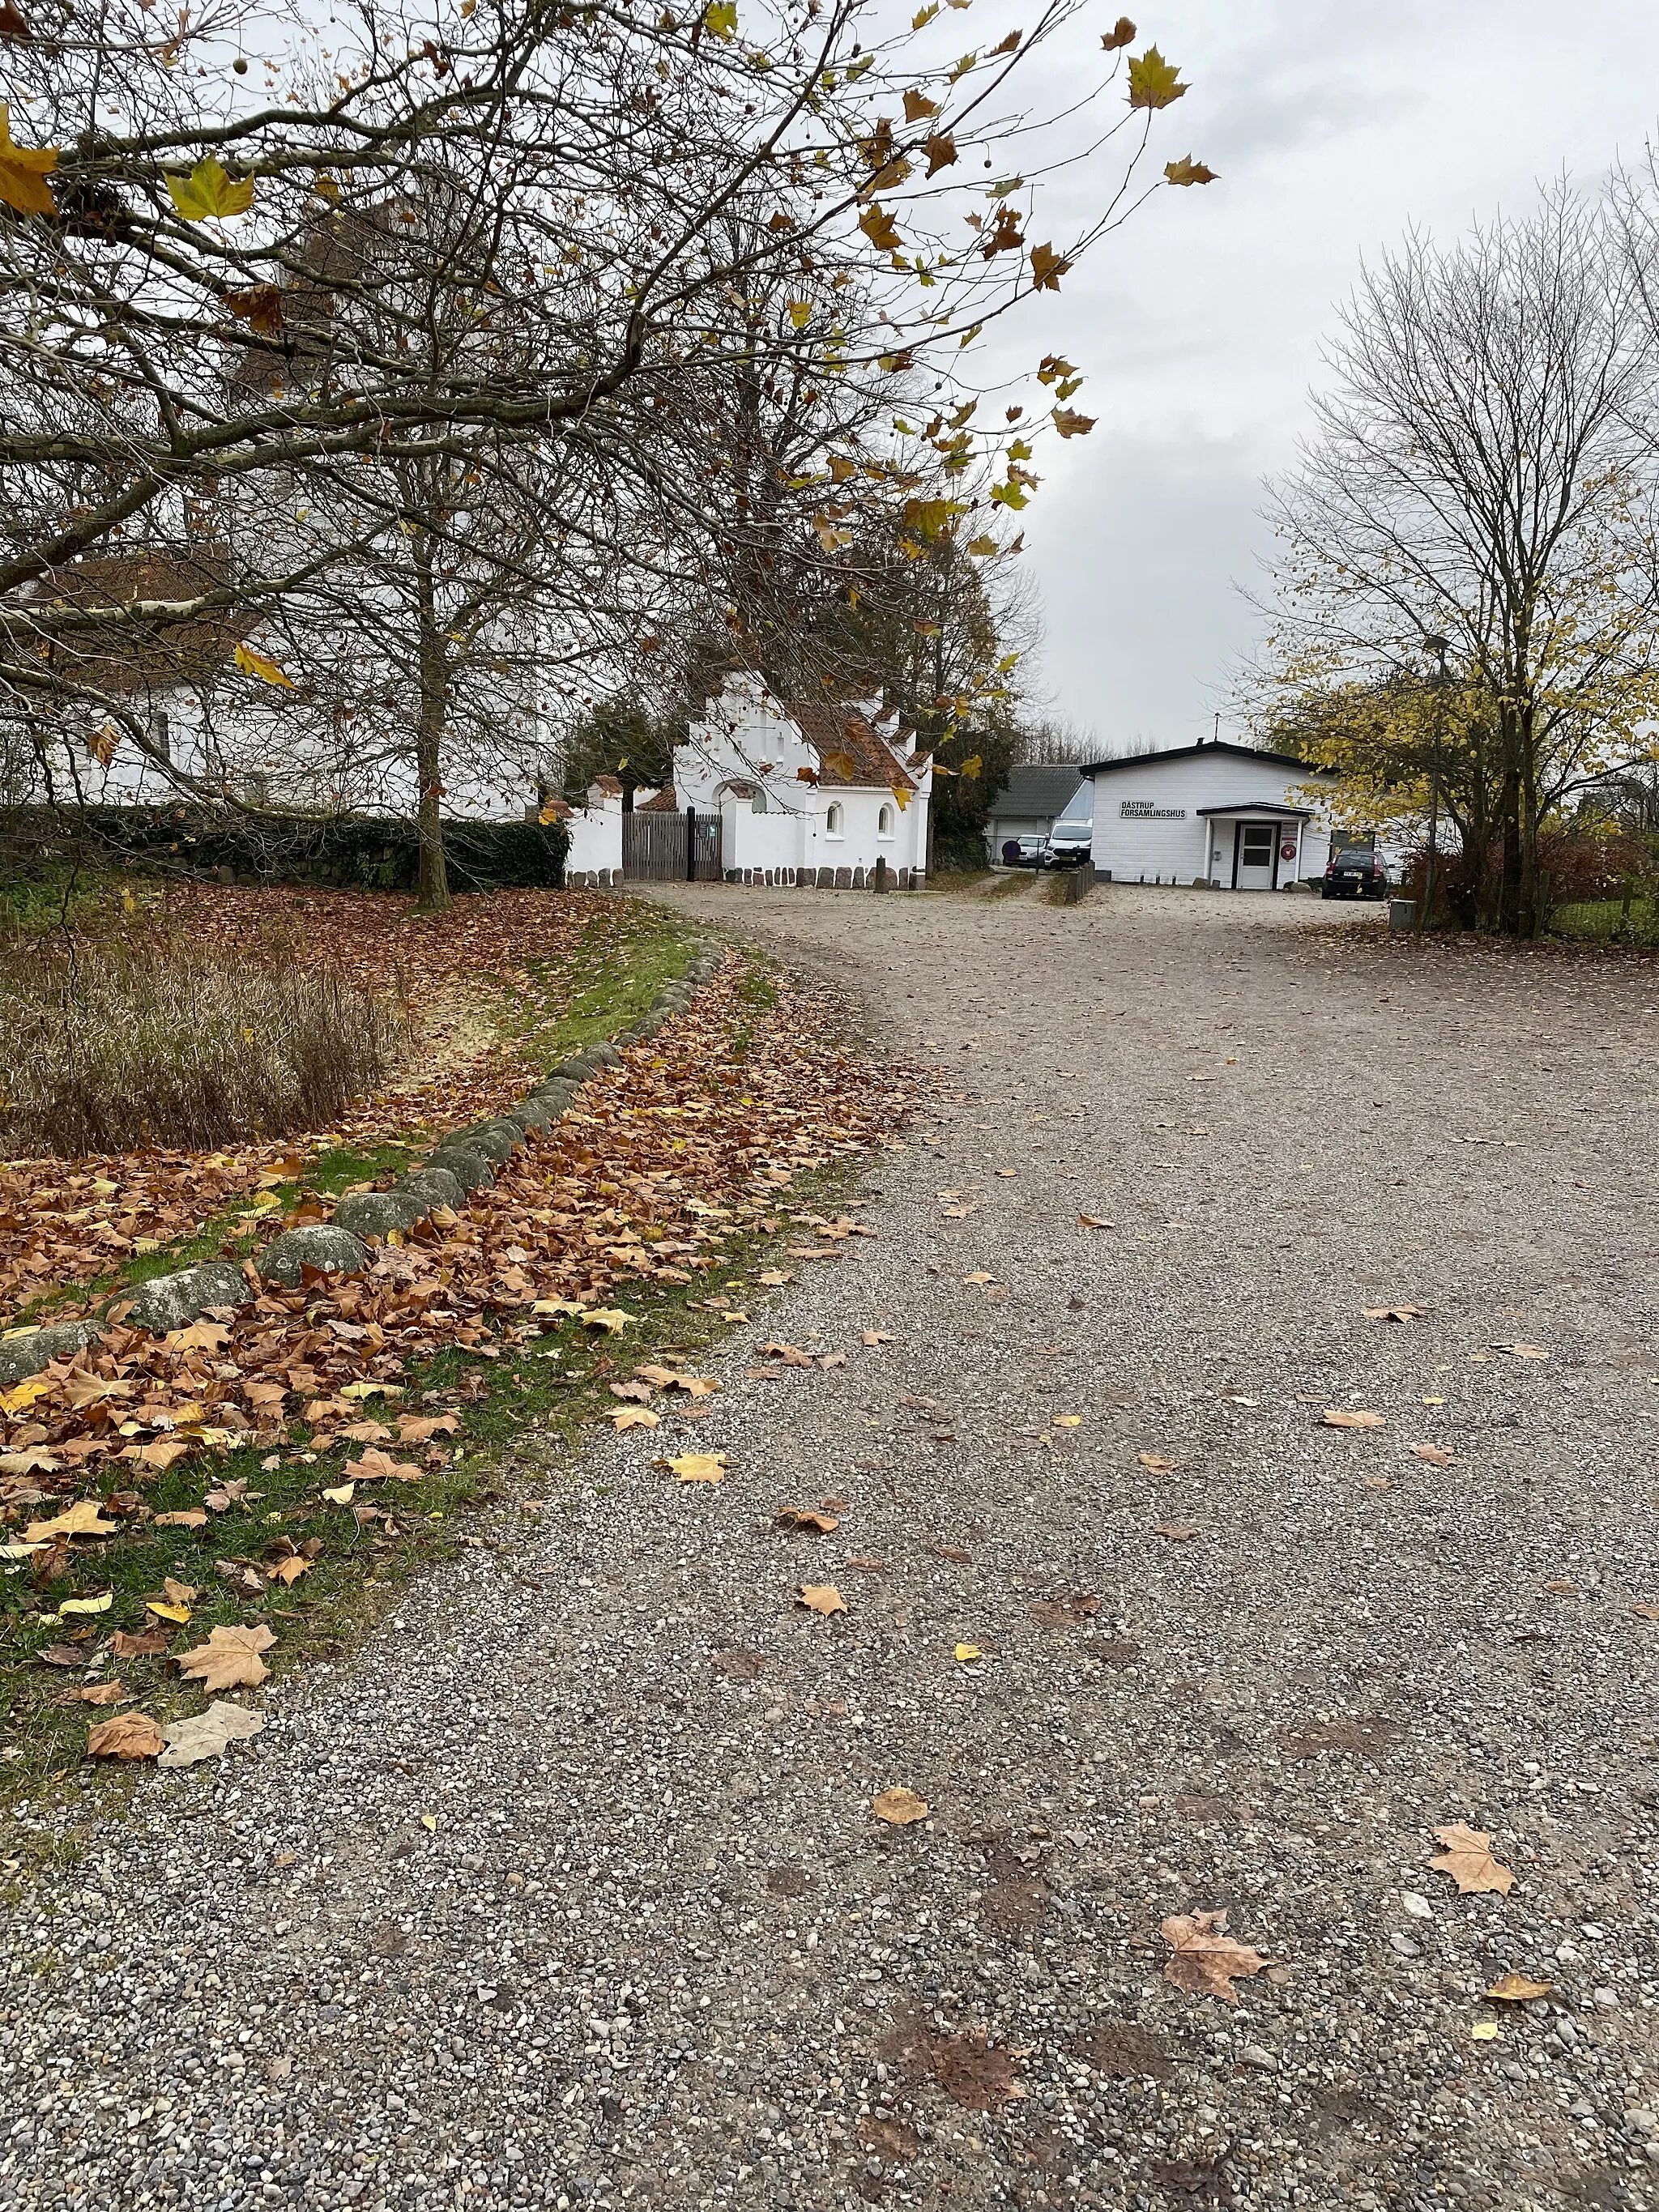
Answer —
815 796
1219 814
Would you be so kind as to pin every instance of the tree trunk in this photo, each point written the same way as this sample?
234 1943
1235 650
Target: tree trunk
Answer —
434 891
1509 883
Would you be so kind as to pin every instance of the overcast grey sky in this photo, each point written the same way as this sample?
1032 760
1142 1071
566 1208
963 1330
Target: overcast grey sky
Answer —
1335 124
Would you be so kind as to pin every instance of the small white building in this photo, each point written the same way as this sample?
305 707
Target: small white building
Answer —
1216 813
806 795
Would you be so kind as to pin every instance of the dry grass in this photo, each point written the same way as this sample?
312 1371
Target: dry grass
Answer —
115 1043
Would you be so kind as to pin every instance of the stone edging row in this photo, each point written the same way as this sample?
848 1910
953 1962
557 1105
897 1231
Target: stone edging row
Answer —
461 1163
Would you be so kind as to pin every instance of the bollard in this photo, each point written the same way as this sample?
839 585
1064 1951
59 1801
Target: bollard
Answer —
1402 917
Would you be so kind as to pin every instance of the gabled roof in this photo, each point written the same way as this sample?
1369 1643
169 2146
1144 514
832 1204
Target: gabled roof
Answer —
1193 752
1038 788
663 802
828 730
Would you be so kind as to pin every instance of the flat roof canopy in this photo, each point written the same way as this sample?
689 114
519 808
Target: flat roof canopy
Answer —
1261 807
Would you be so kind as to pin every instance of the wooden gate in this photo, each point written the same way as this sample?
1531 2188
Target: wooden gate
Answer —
671 849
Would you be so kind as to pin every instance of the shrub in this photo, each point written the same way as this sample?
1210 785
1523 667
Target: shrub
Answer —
107 1045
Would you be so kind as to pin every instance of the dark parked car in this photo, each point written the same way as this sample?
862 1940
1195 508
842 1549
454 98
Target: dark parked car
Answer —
1021 852
1355 873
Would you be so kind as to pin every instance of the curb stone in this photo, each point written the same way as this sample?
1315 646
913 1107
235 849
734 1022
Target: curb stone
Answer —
463 1163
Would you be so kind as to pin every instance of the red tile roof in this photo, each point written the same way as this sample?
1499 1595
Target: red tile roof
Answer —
663 803
844 730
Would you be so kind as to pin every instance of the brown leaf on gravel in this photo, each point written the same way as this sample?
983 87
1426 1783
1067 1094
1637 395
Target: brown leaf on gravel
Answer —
633 1417
1434 1455
971 2071
1394 1313
1065 1612
229 1659
790 1354
900 1808
1523 1350
891 2140
125 1735
1645 1612
1517 1989
879 1567
639 1392
820 1598
1177 1532
805 1519
739 1666
95 1693
1094 1221
1203 1960
1158 1464
772 1276
1468 1860
1336 1417
877 1336
955 1553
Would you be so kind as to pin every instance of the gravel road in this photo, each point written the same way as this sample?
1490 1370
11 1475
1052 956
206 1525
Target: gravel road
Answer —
568 1892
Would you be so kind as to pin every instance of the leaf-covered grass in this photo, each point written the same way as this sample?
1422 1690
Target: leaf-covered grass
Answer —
548 1381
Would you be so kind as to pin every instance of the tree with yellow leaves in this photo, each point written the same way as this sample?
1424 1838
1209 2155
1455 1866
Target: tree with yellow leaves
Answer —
1476 478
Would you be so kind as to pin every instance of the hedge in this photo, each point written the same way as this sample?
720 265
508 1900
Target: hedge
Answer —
350 851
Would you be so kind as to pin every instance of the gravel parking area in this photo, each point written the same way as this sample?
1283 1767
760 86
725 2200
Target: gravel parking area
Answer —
568 1891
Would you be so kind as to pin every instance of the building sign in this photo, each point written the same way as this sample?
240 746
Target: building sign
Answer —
1142 809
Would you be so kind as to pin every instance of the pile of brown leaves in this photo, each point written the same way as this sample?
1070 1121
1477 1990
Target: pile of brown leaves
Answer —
669 1156
63 1222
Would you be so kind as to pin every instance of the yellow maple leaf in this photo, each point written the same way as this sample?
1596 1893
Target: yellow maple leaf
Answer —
697 1466
1153 83
611 1319
1187 171
820 1597
209 190
720 17
800 312
878 227
1047 267
83 1519
24 171
255 664
901 797
1071 424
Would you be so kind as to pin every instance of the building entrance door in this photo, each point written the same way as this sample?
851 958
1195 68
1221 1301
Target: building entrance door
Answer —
1254 856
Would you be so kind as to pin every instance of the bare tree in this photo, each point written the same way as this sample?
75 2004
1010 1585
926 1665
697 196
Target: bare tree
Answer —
1476 477
247 186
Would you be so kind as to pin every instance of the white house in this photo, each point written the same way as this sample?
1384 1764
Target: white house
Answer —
806 795
1216 813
